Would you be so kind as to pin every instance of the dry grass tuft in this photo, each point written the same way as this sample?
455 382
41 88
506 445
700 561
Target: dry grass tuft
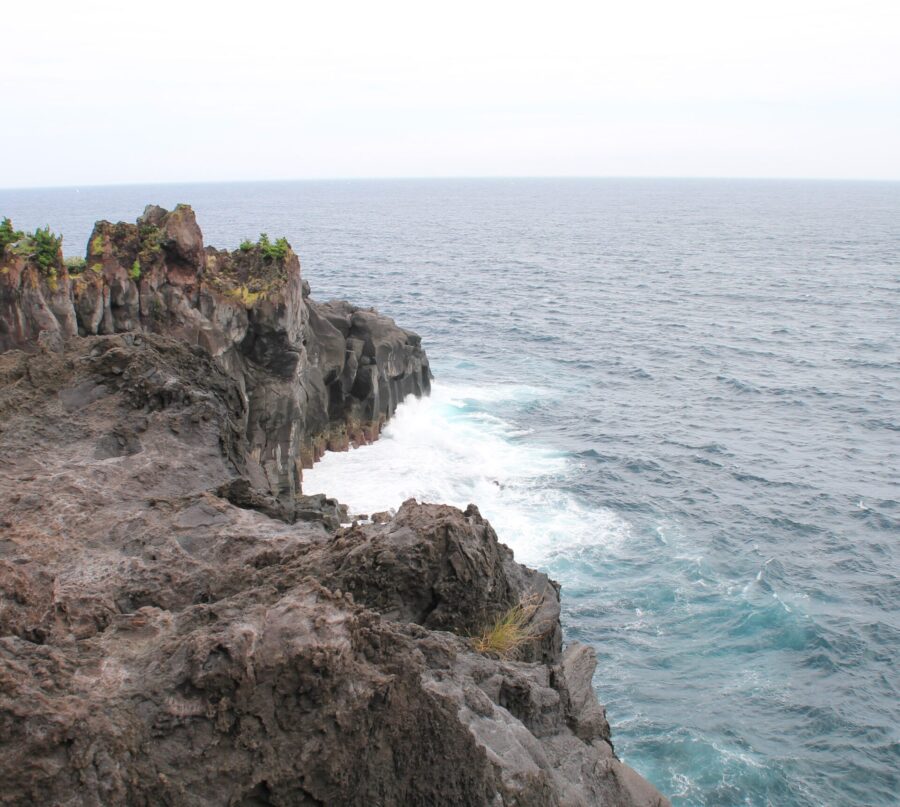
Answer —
509 632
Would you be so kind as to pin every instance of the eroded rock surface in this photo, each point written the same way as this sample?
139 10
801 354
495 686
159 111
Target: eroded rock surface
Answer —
314 377
175 630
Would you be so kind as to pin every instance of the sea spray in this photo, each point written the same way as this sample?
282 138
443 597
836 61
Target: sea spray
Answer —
449 448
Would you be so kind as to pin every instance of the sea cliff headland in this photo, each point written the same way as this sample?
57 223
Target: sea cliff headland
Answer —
180 624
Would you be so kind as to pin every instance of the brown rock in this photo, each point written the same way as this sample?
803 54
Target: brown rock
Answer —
247 309
179 626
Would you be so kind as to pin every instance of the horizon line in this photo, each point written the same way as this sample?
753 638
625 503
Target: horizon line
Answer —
446 178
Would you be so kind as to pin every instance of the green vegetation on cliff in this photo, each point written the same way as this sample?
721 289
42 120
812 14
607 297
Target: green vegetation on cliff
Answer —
76 266
151 240
253 271
270 251
42 247
8 235
510 632
45 248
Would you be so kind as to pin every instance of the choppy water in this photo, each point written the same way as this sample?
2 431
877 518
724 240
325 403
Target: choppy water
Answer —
681 398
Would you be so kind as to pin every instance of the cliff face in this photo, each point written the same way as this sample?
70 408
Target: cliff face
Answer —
179 626
313 377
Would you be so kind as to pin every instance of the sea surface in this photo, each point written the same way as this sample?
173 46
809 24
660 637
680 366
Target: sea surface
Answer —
681 398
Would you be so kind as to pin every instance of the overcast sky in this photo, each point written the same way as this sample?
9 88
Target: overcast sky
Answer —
98 92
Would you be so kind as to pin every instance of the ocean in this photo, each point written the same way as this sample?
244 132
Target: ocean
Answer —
681 398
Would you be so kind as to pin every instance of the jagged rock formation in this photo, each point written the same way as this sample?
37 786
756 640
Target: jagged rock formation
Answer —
176 630
313 377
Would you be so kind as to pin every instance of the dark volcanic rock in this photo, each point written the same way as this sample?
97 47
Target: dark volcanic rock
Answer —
175 630
317 507
442 568
313 380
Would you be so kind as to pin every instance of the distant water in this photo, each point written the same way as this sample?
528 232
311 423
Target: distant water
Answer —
681 398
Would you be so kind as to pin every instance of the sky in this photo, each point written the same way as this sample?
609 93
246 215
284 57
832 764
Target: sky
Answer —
97 92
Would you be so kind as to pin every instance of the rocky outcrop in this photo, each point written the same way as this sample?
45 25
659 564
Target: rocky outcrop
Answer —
444 569
313 377
174 630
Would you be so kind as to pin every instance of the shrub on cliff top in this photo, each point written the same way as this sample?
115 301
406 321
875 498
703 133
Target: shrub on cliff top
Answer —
41 246
8 235
46 247
270 251
277 251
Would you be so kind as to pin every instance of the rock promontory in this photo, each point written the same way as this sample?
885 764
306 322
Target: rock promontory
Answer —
312 377
182 624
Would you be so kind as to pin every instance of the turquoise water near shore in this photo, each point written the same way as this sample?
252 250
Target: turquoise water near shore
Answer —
681 398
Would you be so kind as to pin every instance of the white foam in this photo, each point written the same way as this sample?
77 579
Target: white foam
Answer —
447 449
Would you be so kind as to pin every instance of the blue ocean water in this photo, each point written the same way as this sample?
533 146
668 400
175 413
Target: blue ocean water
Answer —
681 398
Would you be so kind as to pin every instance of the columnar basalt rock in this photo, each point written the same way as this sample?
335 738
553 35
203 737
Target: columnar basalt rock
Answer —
316 377
179 626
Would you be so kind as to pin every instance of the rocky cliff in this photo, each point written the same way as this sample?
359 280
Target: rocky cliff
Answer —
312 377
180 625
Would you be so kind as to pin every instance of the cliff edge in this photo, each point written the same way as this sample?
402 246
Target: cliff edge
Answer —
312 377
181 625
